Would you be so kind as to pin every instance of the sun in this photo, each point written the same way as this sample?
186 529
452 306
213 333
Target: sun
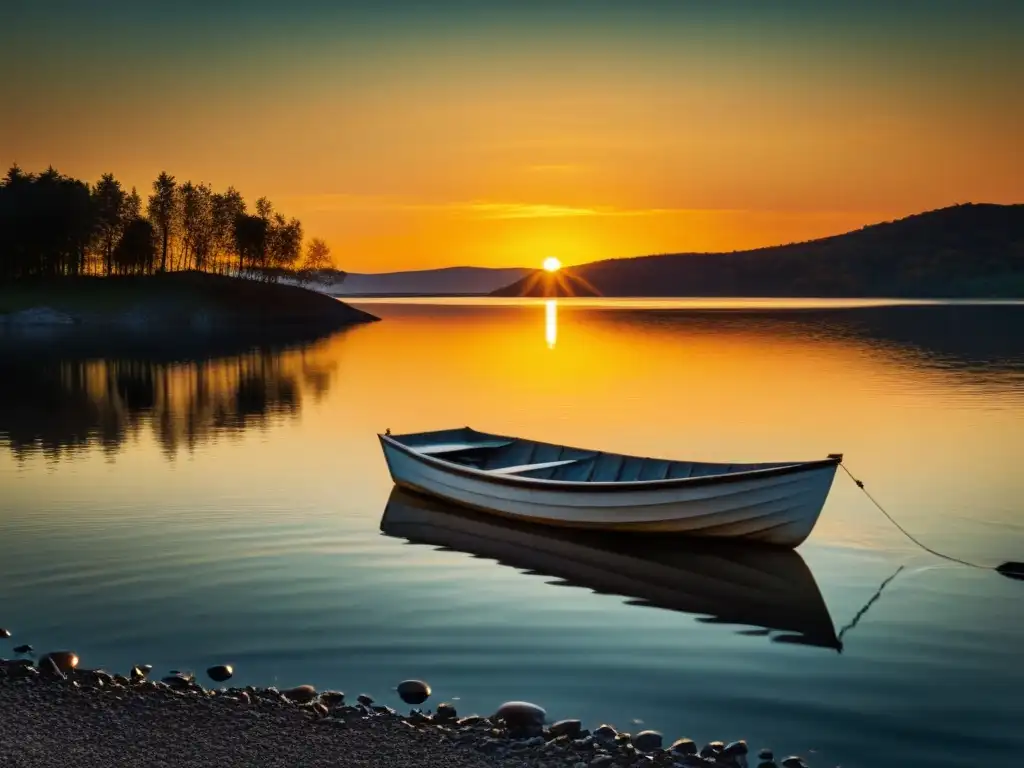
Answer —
551 264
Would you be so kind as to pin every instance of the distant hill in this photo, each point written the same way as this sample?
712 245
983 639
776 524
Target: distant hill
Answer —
452 281
971 250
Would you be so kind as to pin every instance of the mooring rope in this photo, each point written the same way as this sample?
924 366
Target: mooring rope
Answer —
1012 569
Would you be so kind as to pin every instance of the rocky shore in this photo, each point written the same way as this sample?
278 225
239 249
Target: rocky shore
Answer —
53 712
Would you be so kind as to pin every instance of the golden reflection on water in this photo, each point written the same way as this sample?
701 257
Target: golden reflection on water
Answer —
551 322
927 408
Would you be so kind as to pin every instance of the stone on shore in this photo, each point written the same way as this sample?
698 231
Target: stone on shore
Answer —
794 761
684 747
521 715
177 682
65 661
365 699
220 673
332 698
647 741
413 691
48 668
5 633
570 728
735 748
23 649
712 749
446 712
301 694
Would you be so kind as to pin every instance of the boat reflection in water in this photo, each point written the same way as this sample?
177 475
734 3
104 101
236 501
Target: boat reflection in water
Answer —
767 588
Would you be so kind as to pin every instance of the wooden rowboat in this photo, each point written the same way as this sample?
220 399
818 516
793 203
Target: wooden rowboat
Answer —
766 590
775 503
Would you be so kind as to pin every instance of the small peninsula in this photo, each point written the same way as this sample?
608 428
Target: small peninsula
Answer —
190 261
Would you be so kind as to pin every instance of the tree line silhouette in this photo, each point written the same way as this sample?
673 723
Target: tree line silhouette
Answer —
52 225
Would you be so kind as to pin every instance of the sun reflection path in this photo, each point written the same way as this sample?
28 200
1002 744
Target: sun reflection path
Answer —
551 322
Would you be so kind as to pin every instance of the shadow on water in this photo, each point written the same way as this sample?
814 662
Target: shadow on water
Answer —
77 392
985 339
767 588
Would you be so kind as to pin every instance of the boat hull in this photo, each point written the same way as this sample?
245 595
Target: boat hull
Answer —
774 508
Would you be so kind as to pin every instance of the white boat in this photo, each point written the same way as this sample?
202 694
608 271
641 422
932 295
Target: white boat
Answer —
776 503
768 590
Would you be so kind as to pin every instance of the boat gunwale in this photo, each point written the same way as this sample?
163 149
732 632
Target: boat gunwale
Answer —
604 485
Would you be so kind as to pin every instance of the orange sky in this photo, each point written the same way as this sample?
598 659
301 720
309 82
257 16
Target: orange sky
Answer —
500 136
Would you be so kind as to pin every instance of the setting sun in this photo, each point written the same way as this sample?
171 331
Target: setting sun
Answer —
551 264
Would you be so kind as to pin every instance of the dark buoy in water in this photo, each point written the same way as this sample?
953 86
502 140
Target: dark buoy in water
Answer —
1012 570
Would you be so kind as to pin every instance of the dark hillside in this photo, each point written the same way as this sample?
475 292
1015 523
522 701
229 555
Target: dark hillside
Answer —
963 251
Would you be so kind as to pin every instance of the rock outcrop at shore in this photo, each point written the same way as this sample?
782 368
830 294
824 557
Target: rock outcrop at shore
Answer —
175 303
88 718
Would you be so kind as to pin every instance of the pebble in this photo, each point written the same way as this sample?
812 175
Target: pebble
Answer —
735 748
332 698
570 728
48 668
145 668
220 673
518 726
4 633
178 682
23 649
413 691
712 748
446 712
647 741
300 694
65 661
521 714
684 747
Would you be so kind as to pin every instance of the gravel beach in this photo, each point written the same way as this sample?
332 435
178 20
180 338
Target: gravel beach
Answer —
52 714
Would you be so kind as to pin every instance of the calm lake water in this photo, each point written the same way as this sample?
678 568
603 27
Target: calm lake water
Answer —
185 507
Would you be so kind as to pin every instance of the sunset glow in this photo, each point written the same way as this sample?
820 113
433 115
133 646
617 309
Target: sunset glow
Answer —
551 264
413 136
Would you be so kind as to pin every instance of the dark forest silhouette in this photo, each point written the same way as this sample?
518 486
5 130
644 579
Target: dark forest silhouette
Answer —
53 225
965 250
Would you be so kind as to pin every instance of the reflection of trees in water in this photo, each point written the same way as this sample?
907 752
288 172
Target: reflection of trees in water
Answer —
58 406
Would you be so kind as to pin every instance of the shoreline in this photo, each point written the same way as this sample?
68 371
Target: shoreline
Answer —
55 713
196 304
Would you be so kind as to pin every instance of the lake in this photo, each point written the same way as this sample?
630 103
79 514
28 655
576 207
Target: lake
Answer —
184 507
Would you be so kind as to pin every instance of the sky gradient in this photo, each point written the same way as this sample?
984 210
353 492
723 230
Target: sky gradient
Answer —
414 135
